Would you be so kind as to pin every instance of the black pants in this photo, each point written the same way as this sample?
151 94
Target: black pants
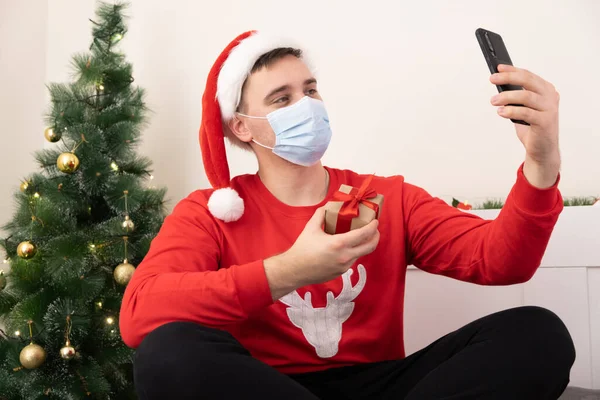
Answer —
522 353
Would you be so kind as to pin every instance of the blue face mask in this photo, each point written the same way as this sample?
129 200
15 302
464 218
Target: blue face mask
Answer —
302 132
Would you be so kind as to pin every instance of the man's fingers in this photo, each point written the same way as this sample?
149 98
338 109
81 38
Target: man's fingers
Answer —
358 236
526 114
365 248
521 77
524 97
318 218
507 68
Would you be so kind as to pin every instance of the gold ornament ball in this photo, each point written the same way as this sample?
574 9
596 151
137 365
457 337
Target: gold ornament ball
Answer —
123 273
2 280
67 352
52 135
67 163
128 224
32 356
26 250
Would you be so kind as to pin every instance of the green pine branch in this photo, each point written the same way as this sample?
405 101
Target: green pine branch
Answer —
579 201
492 204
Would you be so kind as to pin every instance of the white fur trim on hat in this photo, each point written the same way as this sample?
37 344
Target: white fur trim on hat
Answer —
226 204
239 63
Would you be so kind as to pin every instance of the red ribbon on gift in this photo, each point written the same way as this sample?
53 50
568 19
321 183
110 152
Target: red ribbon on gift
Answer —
351 200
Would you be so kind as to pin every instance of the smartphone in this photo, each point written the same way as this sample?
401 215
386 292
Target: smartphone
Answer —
495 53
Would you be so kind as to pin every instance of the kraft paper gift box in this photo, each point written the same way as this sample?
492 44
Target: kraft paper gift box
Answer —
352 208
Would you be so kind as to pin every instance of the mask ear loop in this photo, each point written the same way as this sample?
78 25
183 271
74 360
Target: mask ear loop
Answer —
262 145
250 116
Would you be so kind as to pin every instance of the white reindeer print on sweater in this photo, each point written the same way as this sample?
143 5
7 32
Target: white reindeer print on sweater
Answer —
322 326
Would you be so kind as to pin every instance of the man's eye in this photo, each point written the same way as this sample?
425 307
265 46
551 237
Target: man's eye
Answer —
280 100
312 92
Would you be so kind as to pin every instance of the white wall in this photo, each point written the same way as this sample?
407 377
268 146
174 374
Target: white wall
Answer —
405 82
22 102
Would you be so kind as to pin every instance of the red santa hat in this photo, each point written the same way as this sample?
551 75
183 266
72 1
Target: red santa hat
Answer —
219 104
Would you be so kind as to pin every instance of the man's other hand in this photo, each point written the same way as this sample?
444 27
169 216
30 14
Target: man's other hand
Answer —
540 102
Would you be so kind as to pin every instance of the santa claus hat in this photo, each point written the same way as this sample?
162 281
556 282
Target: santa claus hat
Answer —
219 104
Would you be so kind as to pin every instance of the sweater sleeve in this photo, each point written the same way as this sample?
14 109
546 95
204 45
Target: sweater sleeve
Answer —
508 250
180 279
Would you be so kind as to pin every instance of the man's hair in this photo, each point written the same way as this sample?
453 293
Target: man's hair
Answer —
263 61
269 58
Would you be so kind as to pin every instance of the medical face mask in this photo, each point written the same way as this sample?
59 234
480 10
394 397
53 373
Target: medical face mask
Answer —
302 132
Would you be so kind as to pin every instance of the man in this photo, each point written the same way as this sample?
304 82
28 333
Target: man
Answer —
243 295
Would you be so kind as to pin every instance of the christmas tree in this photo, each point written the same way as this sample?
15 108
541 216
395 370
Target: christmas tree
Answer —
80 226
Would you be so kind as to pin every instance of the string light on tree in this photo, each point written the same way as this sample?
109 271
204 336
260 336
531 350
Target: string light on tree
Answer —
33 355
114 166
151 186
110 320
17 333
116 37
24 186
52 135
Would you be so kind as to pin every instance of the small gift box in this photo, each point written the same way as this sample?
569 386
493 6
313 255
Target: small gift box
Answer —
352 208
461 205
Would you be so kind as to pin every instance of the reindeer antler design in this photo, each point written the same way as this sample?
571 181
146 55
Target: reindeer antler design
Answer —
349 292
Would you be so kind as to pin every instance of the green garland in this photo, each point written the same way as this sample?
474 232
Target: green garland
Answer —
496 204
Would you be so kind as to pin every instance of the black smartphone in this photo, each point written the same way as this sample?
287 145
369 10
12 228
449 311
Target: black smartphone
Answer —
495 53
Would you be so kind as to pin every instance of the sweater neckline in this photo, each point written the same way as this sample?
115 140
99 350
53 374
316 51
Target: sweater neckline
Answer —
294 211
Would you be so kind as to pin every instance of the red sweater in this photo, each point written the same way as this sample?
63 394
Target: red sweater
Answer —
203 270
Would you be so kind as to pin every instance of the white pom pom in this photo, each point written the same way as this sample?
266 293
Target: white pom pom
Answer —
226 204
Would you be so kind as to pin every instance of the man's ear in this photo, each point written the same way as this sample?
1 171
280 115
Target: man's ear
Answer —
239 129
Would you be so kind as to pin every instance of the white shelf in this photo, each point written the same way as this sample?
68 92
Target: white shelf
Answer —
575 241
568 284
